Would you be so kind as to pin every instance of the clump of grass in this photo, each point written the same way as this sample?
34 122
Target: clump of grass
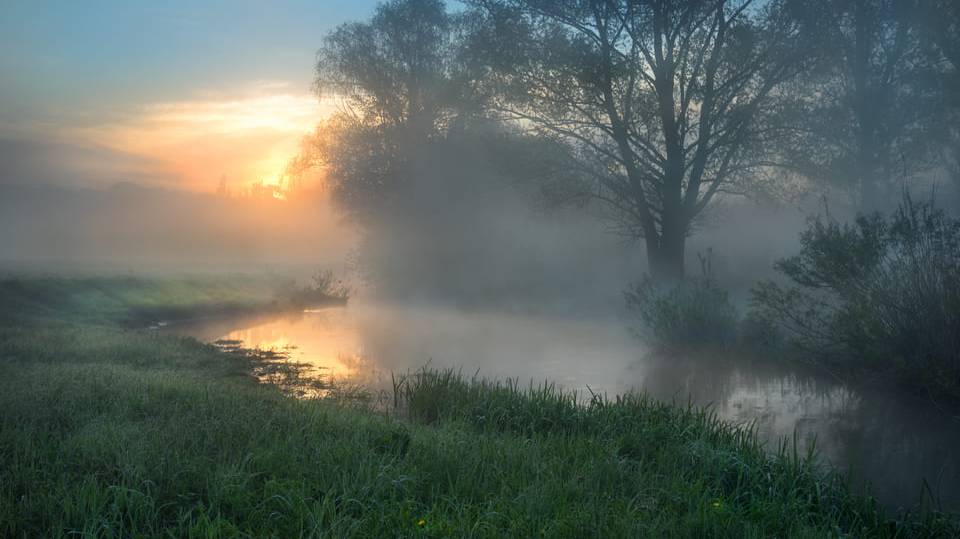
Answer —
681 446
432 396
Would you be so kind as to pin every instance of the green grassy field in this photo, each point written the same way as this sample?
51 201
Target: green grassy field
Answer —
107 431
133 301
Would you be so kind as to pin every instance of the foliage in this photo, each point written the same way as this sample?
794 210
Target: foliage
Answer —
663 106
693 312
875 107
759 333
471 183
398 78
362 164
326 284
395 69
667 102
881 294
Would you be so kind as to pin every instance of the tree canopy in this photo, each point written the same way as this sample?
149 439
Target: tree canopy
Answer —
667 102
653 109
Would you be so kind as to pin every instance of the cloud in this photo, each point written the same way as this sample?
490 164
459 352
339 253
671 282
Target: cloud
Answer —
284 113
31 158
248 137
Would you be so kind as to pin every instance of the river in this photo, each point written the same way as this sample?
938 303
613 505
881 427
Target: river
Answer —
892 441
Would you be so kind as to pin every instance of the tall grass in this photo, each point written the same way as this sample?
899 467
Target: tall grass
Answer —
178 441
688 453
108 432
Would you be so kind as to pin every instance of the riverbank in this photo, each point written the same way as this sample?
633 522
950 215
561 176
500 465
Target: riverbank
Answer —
135 302
109 431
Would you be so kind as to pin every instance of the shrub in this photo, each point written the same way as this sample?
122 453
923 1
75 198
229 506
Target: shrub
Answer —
760 334
695 312
882 293
326 284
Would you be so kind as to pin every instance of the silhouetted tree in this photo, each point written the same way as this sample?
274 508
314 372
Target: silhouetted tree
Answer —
866 115
395 79
939 29
666 101
394 70
413 160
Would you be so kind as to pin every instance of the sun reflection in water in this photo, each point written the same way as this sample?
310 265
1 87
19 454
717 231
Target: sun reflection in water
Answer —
318 338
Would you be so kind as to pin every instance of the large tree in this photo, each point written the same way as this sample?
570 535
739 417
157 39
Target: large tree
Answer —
395 69
398 87
866 117
434 186
939 27
666 101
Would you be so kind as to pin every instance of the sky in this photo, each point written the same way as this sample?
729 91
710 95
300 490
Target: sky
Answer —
166 93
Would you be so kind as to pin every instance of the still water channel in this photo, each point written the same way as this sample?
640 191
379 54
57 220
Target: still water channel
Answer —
892 441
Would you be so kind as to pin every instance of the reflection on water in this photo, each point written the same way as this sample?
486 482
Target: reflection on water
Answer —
892 442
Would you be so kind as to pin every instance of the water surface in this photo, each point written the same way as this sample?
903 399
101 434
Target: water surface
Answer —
893 441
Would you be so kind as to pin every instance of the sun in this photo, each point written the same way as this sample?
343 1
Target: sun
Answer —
246 140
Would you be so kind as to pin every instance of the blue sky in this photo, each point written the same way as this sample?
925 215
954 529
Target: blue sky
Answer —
154 80
60 56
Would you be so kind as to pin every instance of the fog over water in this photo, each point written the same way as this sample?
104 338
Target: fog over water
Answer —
495 283
490 190
487 279
890 442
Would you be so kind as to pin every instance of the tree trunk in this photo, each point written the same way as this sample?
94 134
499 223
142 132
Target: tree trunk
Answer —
665 257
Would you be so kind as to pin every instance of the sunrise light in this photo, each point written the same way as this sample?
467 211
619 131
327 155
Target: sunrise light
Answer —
247 139
499 268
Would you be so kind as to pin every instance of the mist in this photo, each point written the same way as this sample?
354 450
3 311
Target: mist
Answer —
133 228
716 243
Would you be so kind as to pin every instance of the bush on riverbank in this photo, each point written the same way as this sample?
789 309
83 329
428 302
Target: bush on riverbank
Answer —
324 288
882 294
695 312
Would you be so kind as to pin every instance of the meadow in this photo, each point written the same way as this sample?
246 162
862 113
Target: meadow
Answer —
111 430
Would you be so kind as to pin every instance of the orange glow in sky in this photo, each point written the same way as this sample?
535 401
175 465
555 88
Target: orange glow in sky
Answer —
248 139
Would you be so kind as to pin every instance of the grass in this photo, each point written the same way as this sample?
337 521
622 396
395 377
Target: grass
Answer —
138 301
113 432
